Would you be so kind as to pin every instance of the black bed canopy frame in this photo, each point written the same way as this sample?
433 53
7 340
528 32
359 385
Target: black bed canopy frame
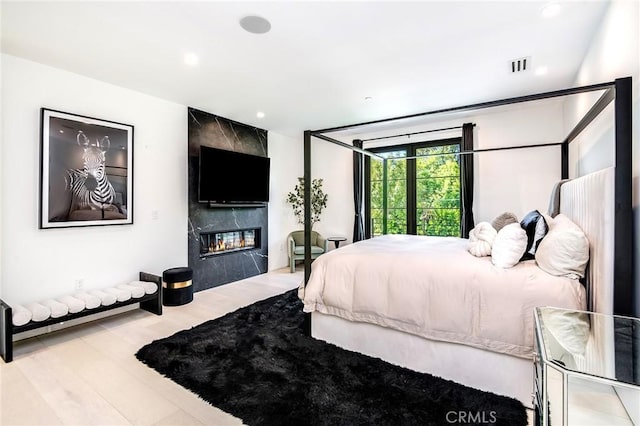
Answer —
619 91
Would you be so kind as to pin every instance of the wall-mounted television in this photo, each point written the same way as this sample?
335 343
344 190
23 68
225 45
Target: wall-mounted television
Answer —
228 177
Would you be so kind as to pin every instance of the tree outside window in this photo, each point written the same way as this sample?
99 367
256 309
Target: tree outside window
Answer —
435 208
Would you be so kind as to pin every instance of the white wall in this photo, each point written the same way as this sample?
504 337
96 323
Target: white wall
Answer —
331 163
614 53
517 181
45 263
1 145
286 155
334 164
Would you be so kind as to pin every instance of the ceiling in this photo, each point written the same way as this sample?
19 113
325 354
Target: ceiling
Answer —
320 60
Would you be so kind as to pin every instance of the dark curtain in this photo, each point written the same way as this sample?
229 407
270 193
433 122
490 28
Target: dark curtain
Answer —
358 192
466 179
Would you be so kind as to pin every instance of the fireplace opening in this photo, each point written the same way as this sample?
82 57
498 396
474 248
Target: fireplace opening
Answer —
220 242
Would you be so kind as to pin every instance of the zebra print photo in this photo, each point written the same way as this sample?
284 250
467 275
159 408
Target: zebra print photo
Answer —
86 171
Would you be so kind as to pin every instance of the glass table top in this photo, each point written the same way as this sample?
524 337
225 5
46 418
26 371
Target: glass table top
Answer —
600 345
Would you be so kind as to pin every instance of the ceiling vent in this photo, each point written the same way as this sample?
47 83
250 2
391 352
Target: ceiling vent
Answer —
520 65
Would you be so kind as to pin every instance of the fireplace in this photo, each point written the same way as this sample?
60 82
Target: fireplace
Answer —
222 242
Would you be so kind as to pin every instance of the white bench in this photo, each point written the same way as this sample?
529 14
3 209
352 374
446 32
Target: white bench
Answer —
148 302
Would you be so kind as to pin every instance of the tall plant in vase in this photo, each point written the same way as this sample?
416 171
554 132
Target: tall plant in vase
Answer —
318 200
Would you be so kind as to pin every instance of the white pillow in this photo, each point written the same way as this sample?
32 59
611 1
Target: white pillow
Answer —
481 239
509 246
564 251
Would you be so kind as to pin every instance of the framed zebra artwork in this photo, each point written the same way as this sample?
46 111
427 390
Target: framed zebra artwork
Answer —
86 171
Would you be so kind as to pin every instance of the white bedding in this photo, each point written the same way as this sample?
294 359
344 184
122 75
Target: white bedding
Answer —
433 287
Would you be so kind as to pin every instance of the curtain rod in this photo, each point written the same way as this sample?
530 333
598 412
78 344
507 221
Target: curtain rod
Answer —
481 105
504 148
413 133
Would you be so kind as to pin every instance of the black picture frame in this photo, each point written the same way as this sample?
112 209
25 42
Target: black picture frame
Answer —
86 171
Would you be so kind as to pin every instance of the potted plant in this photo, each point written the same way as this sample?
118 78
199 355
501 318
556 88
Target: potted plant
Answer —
318 200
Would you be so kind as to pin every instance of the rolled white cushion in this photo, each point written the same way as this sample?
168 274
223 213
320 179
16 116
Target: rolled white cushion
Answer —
106 299
136 292
148 286
481 239
39 312
480 248
509 246
57 309
91 301
120 294
73 303
21 315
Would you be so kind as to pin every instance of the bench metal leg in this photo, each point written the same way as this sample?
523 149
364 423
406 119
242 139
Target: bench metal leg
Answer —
154 306
6 332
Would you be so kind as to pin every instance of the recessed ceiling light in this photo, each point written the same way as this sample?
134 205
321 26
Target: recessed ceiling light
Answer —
255 24
191 59
541 71
551 10
367 98
260 114
61 131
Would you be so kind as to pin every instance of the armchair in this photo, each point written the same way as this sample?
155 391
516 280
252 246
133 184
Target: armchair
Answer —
295 247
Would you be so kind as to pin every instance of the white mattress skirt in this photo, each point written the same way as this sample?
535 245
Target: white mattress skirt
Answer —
477 368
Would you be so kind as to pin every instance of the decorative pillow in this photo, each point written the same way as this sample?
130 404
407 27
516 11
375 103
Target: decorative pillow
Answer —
536 228
481 239
503 220
564 251
509 246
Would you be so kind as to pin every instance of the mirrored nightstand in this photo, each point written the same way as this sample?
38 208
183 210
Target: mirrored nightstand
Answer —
586 368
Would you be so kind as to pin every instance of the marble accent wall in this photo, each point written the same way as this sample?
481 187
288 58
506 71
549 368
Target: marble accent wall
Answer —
218 132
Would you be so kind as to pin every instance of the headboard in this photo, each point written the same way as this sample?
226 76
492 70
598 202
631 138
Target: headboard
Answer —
589 201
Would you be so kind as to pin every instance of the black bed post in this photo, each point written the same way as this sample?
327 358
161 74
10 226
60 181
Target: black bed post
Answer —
307 220
307 206
564 160
624 280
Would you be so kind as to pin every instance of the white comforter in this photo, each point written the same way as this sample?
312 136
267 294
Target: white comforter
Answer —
433 287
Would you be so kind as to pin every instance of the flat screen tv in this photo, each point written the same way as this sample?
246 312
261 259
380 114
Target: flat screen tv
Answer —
228 177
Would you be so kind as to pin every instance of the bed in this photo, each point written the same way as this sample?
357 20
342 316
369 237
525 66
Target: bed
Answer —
455 334
427 304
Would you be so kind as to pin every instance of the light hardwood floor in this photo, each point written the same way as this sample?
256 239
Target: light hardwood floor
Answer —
88 374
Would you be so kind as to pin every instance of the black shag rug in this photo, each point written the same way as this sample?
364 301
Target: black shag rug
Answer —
257 364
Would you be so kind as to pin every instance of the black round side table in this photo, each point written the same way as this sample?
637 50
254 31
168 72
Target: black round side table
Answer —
336 240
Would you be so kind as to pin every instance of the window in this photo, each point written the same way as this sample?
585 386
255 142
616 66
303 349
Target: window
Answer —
420 196
389 194
438 191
